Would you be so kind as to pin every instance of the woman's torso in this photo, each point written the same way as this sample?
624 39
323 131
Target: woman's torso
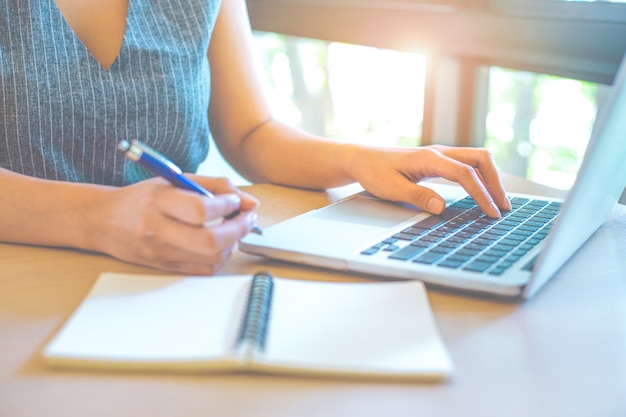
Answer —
62 113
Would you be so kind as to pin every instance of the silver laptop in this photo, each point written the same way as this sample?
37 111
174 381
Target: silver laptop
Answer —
511 257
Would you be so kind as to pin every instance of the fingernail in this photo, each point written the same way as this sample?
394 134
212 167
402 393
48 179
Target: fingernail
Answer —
435 205
235 199
495 210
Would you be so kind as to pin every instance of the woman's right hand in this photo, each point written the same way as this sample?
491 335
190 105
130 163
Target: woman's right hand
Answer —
152 223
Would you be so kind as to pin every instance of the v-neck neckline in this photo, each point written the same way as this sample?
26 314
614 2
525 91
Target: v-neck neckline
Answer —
65 13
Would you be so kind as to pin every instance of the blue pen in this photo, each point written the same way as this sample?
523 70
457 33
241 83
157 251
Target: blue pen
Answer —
163 167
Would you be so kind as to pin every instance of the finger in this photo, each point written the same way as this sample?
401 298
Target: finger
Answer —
464 174
205 265
248 201
236 227
165 251
200 240
423 197
224 185
427 199
482 160
170 258
217 185
193 208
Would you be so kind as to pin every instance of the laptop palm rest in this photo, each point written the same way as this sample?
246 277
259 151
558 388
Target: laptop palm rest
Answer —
330 236
367 211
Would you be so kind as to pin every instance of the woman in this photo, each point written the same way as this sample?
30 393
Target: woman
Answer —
78 77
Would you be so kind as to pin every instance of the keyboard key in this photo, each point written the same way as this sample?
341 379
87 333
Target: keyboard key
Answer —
496 232
521 233
428 222
451 212
533 223
441 249
369 251
474 247
518 201
451 263
483 241
404 236
497 252
428 257
429 238
501 228
414 231
421 243
498 270
390 241
438 233
459 257
490 259
467 252
406 253
512 258
527 228
451 243
477 266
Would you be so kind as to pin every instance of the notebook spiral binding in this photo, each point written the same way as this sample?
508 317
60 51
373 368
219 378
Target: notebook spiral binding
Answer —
254 324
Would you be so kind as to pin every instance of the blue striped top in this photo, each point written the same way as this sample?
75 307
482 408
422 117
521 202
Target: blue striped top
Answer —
62 114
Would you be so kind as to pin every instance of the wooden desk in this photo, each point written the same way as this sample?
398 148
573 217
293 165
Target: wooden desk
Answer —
561 354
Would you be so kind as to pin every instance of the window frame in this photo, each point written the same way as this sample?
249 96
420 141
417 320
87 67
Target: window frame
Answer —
569 39
462 38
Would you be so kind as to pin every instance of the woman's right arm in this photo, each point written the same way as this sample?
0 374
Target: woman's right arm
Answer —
150 223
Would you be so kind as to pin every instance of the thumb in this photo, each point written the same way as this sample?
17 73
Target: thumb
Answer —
427 199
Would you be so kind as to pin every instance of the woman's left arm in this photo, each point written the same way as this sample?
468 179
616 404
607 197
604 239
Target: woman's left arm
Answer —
265 150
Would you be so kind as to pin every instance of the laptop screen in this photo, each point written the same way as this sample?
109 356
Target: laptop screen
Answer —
598 186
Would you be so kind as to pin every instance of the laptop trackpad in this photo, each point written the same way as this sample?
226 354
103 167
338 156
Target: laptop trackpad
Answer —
367 211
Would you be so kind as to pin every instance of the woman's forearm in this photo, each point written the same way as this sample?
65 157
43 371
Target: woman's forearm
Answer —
44 212
280 154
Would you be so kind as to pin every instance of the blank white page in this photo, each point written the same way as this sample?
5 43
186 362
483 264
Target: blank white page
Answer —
136 319
354 328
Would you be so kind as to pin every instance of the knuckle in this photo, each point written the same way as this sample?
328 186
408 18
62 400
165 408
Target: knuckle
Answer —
429 152
198 209
208 242
244 228
466 172
437 148
486 154
143 229
224 183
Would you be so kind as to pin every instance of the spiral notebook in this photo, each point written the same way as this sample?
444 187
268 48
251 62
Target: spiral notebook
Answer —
256 324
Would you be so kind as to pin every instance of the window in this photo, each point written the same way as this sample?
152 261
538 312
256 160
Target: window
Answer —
499 73
347 92
538 126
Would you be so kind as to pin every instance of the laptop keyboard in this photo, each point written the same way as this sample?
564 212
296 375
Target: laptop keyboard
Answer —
464 238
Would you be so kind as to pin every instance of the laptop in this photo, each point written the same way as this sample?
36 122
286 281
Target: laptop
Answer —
462 249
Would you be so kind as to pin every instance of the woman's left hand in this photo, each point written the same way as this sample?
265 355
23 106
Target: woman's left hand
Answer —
393 174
